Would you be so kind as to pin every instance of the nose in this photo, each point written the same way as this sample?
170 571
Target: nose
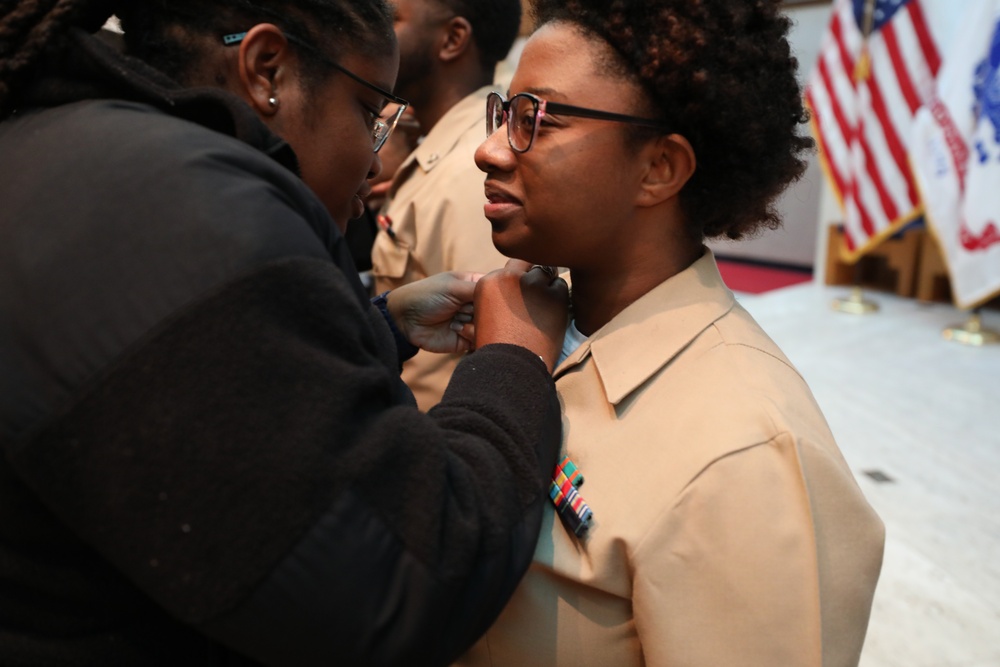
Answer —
495 153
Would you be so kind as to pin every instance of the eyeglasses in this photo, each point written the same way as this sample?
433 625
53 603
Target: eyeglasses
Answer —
524 112
382 128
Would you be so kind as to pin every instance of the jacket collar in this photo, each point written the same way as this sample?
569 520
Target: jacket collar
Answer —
653 330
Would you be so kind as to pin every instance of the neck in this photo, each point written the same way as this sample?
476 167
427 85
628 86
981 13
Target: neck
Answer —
596 299
598 296
447 90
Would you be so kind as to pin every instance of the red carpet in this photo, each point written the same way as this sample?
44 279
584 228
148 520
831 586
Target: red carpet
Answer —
754 278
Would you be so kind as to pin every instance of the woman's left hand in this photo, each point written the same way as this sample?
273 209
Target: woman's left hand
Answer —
435 314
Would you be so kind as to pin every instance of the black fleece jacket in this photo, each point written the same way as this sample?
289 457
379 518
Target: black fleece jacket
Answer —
207 456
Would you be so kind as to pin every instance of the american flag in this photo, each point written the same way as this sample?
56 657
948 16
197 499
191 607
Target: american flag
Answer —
876 68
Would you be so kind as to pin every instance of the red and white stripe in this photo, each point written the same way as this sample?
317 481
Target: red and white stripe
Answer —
863 126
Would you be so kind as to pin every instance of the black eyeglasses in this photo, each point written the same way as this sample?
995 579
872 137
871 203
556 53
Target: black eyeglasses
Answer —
382 127
523 114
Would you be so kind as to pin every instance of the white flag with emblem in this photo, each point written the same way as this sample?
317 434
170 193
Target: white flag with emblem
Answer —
956 156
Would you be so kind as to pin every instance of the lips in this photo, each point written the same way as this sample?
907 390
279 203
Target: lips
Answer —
358 200
497 195
502 208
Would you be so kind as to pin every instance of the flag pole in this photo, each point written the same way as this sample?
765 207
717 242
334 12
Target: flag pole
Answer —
972 332
863 67
856 304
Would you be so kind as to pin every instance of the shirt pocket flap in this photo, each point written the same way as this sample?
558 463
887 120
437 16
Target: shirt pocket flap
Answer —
389 259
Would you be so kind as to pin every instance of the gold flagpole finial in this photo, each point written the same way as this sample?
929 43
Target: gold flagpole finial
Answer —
862 70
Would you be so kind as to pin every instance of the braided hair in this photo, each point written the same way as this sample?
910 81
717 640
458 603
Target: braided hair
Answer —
160 32
721 73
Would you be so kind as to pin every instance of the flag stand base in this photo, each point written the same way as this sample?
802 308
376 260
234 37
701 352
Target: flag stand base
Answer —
972 333
855 304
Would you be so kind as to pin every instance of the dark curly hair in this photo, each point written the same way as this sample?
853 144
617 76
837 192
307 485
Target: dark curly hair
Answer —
495 24
721 73
160 32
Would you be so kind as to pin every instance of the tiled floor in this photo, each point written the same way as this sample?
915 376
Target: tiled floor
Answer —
926 413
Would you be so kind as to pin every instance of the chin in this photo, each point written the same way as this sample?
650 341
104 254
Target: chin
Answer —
505 247
518 251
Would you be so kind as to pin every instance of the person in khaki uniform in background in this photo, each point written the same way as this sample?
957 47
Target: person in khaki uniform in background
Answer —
433 220
717 523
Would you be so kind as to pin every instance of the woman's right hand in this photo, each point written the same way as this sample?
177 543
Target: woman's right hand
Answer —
523 305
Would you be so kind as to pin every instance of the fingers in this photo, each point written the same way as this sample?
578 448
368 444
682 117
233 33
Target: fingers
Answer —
550 271
468 276
461 322
531 274
466 337
462 316
542 276
462 287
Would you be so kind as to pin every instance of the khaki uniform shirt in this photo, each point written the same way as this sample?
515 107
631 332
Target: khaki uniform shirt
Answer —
729 531
436 209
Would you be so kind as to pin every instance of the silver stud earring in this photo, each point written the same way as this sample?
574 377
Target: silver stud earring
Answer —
273 101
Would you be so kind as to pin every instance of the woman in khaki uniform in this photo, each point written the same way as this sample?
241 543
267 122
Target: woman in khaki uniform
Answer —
718 524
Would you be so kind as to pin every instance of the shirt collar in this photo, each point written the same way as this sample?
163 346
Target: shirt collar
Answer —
650 332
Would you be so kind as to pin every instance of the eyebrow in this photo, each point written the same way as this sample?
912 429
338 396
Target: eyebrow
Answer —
545 93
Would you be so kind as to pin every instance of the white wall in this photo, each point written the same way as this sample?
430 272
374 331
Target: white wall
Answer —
797 241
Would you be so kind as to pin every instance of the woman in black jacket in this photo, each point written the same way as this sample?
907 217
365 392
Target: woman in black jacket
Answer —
208 456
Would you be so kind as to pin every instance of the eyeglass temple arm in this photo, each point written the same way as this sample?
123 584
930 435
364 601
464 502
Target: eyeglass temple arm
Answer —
570 110
237 37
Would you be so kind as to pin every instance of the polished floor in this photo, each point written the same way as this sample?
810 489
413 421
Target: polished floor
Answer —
918 419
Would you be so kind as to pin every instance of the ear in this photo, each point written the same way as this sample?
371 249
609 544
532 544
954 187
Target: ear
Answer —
457 39
266 62
669 164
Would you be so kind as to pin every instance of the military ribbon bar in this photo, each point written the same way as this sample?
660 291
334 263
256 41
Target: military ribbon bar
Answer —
572 509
